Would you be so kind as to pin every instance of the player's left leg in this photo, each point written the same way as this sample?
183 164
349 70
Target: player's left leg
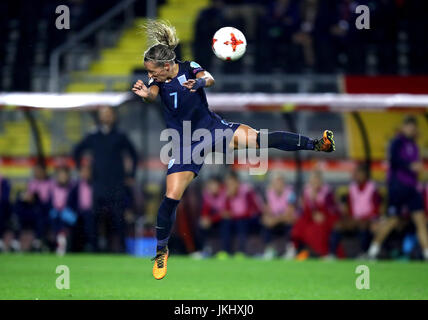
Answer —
176 184
420 222
247 137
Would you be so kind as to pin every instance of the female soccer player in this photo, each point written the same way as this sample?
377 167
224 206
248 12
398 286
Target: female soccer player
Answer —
180 85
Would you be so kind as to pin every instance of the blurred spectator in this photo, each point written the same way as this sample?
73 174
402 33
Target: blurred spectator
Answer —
280 22
108 147
5 213
213 206
404 167
241 208
80 202
208 22
416 25
311 233
36 204
384 29
61 218
426 198
361 211
279 213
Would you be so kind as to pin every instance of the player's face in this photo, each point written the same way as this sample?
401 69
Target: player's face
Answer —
106 116
278 184
316 180
158 73
360 176
39 172
232 185
410 130
62 176
213 187
85 173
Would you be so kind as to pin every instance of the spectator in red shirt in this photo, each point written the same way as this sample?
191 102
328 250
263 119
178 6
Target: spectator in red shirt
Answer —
242 205
213 206
313 229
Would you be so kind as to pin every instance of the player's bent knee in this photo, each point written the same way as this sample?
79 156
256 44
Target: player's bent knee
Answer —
174 194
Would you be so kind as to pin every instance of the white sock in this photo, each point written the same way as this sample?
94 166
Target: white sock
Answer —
426 254
374 250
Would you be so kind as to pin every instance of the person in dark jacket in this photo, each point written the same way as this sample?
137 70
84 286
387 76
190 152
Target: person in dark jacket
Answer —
108 147
5 207
403 194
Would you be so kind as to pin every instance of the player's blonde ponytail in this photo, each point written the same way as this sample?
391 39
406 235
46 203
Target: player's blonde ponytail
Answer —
165 39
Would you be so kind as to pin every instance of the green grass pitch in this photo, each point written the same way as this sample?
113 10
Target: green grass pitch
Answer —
27 276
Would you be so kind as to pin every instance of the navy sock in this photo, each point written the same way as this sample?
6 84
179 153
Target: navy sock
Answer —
165 221
288 141
334 241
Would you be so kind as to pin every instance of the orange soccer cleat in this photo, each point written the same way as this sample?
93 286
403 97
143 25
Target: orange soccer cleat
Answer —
326 143
159 268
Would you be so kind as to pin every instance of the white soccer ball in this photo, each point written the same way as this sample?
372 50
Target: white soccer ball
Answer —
229 44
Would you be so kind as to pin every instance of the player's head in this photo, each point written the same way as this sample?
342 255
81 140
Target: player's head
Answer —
213 185
159 59
361 173
62 175
39 171
278 182
85 172
106 116
410 127
232 182
316 179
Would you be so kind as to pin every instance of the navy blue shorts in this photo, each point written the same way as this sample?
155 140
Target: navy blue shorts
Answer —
401 196
222 144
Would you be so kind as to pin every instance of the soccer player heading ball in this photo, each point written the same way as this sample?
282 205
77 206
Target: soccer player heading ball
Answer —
180 85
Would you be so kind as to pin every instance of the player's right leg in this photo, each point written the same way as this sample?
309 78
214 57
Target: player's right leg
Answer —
420 221
385 229
247 137
176 184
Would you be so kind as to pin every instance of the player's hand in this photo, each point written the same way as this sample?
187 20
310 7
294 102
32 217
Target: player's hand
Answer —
189 84
194 85
205 223
417 166
140 89
318 217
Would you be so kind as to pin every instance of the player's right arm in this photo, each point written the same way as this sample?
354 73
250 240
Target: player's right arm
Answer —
148 94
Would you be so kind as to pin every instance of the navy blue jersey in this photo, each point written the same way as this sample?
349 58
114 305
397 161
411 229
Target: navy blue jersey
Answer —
180 104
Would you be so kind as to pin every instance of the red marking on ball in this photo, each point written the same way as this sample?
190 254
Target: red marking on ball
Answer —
234 42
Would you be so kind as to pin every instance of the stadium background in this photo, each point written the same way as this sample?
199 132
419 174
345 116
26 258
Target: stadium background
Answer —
310 48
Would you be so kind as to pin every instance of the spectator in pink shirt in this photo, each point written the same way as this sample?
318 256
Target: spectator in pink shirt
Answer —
6 235
61 217
32 208
279 213
80 202
360 212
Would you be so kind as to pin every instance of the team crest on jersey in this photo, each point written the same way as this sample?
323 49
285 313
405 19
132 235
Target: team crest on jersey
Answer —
182 79
194 64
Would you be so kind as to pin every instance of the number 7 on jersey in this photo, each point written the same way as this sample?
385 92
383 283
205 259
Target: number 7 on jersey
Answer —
175 99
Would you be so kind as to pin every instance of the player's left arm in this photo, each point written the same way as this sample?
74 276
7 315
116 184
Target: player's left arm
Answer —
203 79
